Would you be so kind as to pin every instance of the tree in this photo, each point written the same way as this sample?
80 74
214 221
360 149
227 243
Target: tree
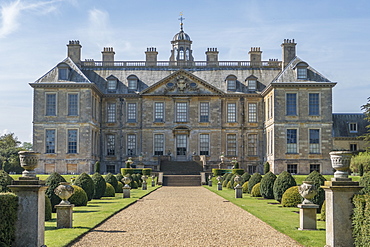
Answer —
9 148
366 109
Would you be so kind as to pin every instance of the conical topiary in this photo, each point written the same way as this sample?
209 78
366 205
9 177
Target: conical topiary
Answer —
267 185
283 182
256 192
246 176
99 185
266 168
255 179
87 184
110 178
53 181
79 197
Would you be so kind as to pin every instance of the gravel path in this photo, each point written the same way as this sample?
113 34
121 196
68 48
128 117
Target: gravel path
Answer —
184 216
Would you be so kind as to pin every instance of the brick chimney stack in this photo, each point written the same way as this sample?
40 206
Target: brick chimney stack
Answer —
151 56
288 51
255 56
108 54
74 51
212 56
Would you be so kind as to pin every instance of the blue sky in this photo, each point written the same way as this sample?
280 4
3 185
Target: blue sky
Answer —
332 36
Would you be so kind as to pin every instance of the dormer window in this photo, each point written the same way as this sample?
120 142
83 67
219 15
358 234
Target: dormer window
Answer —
302 71
352 127
132 83
231 82
112 84
251 81
63 71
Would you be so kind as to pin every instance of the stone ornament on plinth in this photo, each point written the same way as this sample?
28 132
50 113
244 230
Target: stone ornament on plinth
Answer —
340 161
238 188
307 210
220 179
29 161
64 208
210 180
126 189
144 184
153 180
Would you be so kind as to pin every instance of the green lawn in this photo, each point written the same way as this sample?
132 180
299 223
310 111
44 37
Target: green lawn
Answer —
283 219
86 218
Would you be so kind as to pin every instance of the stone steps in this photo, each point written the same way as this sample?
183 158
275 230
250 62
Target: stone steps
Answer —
180 168
181 180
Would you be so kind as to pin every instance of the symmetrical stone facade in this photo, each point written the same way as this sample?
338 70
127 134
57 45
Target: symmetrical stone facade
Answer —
256 111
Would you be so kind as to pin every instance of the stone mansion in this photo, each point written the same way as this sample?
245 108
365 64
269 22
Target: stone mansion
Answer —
257 111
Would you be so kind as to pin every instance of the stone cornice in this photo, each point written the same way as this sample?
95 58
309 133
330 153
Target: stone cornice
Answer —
297 84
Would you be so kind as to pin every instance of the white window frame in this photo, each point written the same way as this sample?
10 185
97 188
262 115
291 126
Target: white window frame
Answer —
131 112
290 106
111 112
158 144
292 148
314 147
159 111
182 112
313 106
47 106
231 145
131 144
353 127
252 85
204 112
47 142
111 144
252 144
204 144
252 112
111 84
68 141
69 105
231 112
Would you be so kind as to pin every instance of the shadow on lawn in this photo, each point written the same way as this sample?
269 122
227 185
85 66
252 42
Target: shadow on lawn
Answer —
53 228
108 231
87 211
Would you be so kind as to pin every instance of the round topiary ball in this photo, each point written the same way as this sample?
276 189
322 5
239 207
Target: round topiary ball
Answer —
365 182
318 180
255 179
5 180
291 197
245 187
119 187
267 185
110 178
109 191
256 192
48 209
246 176
87 184
283 182
79 197
53 181
99 185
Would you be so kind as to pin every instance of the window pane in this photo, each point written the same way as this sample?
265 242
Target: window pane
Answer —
291 141
291 104
131 112
112 84
181 112
204 144
51 104
50 141
302 73
292 168
314 104
231 85
231 112
131 145
132 84
252 85
111 113
252 112
63 73
353 127
158 112
72 104
72 141
314 141
158 144
231 145
110 145
314 167
252 144
204 112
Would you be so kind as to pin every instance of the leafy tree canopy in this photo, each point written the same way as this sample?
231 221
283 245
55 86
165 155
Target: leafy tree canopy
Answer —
366 109
9 148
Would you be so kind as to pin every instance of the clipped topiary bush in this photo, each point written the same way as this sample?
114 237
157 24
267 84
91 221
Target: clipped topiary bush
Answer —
110 178
238 171
119 177
267 185
256 192
97 167
119 187
318 181
99 185
291 197
8 217
147 171
245 187
365 182
224 183
230 185
266 168
5 180
255 179
79 197
283 182
48 209
53 181
87 184
323 212
109 191
246 176
360 220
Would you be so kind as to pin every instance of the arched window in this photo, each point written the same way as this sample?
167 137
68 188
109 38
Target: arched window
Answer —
132 82
302 71
187 54
251 81
231 82
63 71
111 83
181 54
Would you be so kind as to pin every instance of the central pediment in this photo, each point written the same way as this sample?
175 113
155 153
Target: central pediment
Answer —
181 83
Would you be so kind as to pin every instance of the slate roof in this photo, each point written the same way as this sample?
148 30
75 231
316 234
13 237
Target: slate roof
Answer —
341 123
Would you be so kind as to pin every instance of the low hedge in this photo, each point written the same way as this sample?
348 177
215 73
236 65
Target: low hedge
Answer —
221 172
238 171
360 220
131 171
8 218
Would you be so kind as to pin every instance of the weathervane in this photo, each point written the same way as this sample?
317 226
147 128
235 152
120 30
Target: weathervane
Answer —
181 19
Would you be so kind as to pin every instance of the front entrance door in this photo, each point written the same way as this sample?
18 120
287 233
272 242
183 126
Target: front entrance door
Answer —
181 144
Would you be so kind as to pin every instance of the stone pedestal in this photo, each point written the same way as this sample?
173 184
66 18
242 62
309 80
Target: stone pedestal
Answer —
126 191
339 208
144 186
210 183
64 216
153 183
30 226
219 186
238 191
307 216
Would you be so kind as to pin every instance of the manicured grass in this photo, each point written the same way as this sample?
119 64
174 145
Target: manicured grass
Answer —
45 176
87 217
283 219
300 178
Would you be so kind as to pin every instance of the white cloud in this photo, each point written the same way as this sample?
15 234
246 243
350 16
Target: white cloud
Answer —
11 13
4 132
99 27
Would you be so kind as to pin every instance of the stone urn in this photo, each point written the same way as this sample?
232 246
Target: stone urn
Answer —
29 161
308 191
238 179
144 178
126 180
64 191
220 179
340 161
